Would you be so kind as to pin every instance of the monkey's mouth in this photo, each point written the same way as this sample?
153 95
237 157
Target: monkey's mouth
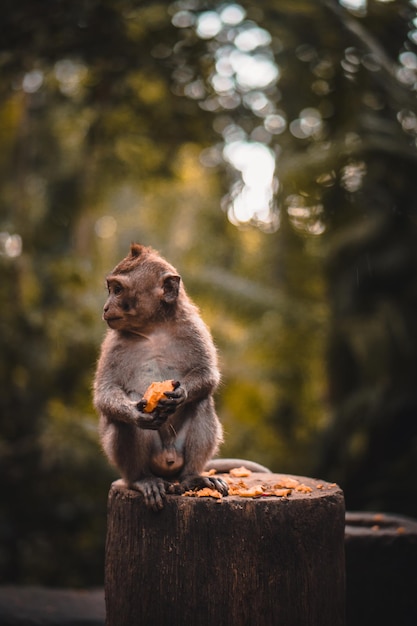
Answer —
111 320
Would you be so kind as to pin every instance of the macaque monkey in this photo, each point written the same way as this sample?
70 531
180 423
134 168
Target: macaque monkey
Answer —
155 334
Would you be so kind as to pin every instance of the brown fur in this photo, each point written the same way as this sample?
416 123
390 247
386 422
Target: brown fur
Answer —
156 333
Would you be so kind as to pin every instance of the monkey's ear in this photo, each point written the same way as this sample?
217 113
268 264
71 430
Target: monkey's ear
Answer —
136 249
171 287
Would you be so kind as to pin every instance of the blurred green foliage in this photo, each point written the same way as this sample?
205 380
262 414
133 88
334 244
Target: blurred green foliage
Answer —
268 150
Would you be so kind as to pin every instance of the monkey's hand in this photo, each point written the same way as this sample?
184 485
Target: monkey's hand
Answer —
174 399
149 421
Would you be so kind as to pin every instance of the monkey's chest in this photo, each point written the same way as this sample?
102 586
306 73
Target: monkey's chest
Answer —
154 360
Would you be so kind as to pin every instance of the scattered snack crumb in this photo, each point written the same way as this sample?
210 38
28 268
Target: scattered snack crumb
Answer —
243 483
287 483
206 492
303 488
240 472
247 492
281 493
211 472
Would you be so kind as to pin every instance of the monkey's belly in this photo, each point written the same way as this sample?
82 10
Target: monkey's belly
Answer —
166 462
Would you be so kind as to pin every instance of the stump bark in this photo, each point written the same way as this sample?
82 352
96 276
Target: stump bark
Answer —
232 562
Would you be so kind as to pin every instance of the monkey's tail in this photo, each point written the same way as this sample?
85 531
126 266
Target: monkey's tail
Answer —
225 465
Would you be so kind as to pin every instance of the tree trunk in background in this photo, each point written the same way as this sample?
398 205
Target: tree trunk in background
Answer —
381 573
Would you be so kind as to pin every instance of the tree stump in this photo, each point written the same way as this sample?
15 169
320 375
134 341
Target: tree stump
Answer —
233 561
381 571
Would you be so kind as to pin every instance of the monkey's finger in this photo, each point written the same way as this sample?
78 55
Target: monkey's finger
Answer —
175 489
220 484
168 400
173 397
165 416
155 498
168 405
196 481
153 492
141 405
178 396
153 423
199 482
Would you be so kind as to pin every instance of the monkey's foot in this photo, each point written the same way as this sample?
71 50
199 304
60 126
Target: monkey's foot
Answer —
195 481
153 490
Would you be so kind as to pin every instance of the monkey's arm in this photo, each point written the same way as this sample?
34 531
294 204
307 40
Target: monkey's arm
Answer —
116 384
114 403
202 376
195 385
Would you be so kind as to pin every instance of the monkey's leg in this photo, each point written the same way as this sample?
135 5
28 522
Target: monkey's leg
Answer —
203 435
150 482
129 448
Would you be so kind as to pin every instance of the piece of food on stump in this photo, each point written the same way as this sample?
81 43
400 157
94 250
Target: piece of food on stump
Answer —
155 392
240 472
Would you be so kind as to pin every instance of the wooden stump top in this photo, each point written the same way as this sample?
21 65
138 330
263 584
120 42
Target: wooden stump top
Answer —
273 557
255 486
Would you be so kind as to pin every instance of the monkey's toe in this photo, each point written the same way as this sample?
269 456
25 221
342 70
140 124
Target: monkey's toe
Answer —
220 484
153 491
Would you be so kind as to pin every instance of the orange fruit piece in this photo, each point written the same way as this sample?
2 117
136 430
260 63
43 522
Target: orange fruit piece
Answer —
155 392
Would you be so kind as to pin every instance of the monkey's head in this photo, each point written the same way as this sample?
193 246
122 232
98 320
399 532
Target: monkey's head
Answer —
143 291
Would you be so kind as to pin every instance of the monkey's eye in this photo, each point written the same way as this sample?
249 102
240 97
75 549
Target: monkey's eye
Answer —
117 289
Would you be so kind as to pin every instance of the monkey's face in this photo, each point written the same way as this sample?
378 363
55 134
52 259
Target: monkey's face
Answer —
118 303
141 298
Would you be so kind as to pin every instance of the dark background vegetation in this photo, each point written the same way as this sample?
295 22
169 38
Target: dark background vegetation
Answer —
115 123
